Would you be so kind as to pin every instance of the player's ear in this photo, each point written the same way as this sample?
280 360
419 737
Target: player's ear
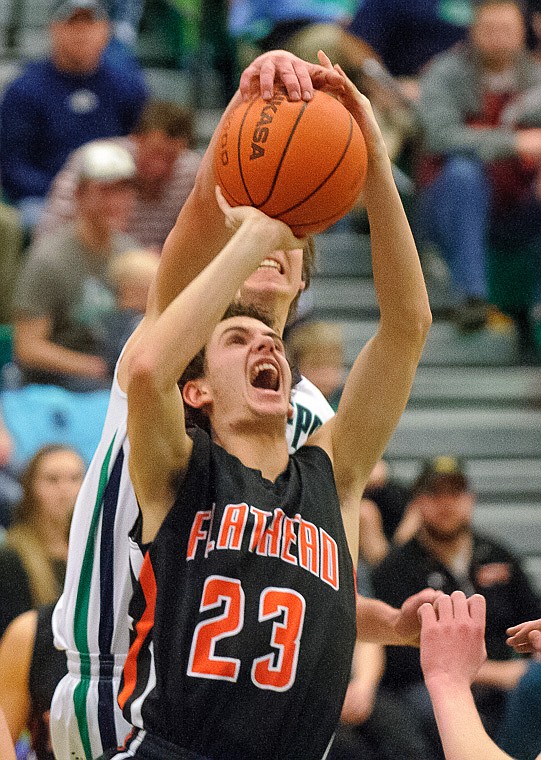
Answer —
195 393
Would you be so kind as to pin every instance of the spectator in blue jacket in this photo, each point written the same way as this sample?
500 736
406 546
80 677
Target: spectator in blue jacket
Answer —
63 101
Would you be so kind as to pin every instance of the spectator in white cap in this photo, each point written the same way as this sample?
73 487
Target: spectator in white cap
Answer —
64 290
63 101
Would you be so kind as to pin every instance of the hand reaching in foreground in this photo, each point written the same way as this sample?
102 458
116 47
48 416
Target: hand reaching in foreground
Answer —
453 638
525 638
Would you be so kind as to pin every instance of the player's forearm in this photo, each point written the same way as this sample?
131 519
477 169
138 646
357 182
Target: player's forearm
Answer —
398 277
462 734
368 663
199 233
376 622
186 325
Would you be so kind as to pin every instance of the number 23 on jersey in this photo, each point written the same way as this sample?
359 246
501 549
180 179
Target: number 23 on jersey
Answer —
276 670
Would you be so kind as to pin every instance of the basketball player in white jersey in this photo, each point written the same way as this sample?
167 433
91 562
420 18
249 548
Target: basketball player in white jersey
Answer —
91 618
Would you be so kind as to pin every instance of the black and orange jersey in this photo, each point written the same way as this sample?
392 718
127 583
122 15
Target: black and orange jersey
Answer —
244 614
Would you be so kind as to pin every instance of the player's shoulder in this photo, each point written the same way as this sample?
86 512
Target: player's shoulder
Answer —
309 396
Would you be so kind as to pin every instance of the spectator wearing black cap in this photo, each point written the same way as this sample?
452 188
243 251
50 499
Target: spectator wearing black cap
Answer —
447 554
64 291
61 102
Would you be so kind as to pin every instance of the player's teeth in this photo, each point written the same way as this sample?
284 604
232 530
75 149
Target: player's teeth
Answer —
261 368
270 263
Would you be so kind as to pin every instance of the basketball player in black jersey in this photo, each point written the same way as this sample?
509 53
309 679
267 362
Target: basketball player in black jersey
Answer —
244 614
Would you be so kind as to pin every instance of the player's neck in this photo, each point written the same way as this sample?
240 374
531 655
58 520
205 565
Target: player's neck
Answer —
263 450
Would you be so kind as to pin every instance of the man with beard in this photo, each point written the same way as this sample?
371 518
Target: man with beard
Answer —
447 554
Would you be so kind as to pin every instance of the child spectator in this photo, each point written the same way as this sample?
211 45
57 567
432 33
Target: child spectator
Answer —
131 274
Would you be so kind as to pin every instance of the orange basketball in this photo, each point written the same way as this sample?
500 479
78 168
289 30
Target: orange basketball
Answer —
301 162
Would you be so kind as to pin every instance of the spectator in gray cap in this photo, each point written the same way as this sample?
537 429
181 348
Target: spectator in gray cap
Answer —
64 291
63 101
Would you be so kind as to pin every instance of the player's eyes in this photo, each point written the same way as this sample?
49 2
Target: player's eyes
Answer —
236 338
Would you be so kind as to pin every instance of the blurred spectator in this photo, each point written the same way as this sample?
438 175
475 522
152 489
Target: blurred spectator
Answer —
520 730
11 243
64 289
316 349
481 110
300 26
391 498
125 16
166 168
131 274
385 48
10 490
404 35
30 669
33 557
59 103
447 554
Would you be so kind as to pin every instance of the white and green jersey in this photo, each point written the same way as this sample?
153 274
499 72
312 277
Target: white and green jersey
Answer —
91 620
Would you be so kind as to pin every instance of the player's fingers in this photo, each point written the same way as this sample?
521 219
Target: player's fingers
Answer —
304 79
444 607
477 608
535 640
460 605
324 59
267 75
247 82
426 613
278 69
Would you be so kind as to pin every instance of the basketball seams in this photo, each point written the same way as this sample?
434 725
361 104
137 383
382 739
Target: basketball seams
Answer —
282 157
281 170
279 214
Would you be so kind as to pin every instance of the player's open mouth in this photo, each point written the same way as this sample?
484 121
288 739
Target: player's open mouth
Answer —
265 376
271 264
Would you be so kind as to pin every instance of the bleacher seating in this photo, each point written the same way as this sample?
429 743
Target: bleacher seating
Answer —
470 398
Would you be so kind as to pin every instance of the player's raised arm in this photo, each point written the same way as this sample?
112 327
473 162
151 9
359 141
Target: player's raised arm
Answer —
379 383
160 446
199 233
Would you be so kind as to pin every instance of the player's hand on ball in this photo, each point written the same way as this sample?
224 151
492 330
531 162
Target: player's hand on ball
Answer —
278 67
235 216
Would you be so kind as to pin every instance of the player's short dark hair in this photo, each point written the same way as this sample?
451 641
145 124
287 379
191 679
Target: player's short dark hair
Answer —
196 368
174 120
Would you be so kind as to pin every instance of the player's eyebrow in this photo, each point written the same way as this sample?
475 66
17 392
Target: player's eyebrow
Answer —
246 331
